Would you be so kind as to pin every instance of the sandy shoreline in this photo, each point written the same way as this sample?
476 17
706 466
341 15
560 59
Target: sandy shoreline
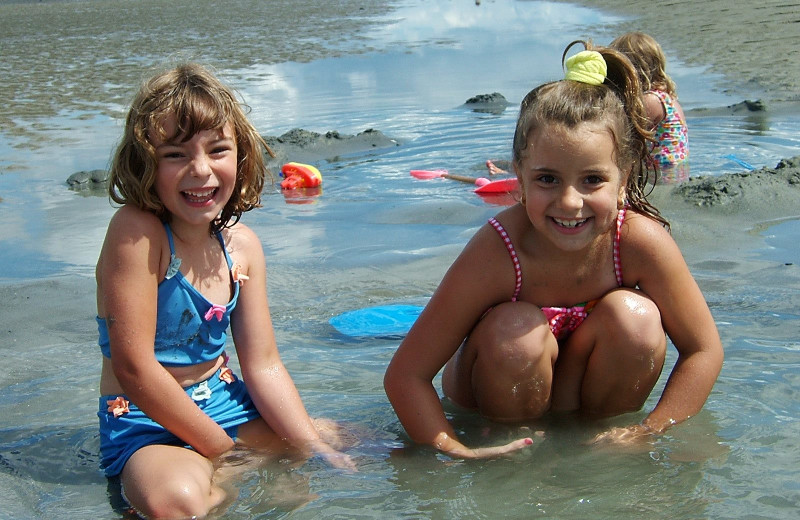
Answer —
754 44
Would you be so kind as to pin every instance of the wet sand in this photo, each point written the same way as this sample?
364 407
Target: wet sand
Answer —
754 44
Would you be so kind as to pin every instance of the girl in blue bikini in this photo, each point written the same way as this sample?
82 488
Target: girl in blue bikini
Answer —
176 270
583 231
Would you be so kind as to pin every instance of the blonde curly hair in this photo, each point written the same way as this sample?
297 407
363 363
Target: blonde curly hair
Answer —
647 56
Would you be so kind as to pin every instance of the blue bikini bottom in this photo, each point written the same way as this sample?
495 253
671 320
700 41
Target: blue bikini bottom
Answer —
228 404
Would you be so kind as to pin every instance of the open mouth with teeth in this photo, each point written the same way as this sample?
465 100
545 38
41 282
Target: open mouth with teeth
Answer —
570 223
200 196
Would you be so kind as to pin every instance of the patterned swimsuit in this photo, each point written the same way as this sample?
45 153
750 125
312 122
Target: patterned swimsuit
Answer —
672 134
562 320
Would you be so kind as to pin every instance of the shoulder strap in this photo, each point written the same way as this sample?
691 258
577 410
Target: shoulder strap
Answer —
224 249
617 239
512 253
169 238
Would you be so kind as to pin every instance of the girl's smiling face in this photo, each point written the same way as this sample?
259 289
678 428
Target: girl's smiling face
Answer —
195 177
572 186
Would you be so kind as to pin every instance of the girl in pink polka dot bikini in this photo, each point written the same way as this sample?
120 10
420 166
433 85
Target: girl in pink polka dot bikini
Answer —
504 322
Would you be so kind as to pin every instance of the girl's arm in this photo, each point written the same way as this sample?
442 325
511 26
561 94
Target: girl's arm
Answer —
472 284
268 382
128 274
661 272
654 108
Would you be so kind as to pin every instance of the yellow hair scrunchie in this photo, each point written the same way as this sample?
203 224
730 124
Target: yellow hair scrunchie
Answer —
587 67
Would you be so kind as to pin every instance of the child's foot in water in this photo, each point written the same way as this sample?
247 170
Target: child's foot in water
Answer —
493 168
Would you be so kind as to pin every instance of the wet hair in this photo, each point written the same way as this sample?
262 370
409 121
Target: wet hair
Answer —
198 101
647 56
616 103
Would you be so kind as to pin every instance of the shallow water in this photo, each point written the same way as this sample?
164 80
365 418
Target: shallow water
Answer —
374 236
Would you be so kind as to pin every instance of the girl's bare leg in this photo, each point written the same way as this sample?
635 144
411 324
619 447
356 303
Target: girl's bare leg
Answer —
162 481
505 368
612 361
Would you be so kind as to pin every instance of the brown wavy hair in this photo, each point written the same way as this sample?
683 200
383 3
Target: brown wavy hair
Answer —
617 103
198 101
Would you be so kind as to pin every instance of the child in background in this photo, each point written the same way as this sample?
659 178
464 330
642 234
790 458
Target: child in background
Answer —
660 98
660 101
175 269
561 302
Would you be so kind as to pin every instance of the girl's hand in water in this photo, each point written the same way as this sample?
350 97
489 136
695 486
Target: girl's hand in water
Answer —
334 458
627 435
457 450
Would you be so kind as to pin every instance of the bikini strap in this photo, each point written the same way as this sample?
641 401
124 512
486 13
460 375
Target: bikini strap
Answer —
617 260
169 237
168 229
225 250
512 253
661 95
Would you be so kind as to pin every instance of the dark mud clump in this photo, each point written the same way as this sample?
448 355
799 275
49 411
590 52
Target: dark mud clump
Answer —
494 103
778 186
305 146
296 145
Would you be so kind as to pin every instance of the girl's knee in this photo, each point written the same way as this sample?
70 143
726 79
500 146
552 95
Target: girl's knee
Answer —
512 331
185 498
514 351
170 482
633 319
628 355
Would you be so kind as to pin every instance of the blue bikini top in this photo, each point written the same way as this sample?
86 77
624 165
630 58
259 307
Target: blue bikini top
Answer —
189 328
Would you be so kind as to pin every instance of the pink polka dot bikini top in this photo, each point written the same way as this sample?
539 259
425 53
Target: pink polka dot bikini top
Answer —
562 320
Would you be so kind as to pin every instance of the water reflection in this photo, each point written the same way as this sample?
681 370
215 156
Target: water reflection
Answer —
88 57
374 235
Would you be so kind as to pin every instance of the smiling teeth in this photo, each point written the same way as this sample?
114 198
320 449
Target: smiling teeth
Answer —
569 223
199 194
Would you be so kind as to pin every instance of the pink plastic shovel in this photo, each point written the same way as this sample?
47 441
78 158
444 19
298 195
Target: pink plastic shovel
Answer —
435 174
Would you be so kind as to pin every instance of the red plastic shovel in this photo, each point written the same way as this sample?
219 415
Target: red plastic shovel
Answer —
499 186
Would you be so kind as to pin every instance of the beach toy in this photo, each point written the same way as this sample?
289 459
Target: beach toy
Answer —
500 186
443 174
738 161
484 185
383 320
302 196
298 175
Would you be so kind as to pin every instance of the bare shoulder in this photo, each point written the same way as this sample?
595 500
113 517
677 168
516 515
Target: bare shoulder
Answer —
647 248
134 254
488 240
483 272
133 234
130 222
643 234
241 236
654 108
244 246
